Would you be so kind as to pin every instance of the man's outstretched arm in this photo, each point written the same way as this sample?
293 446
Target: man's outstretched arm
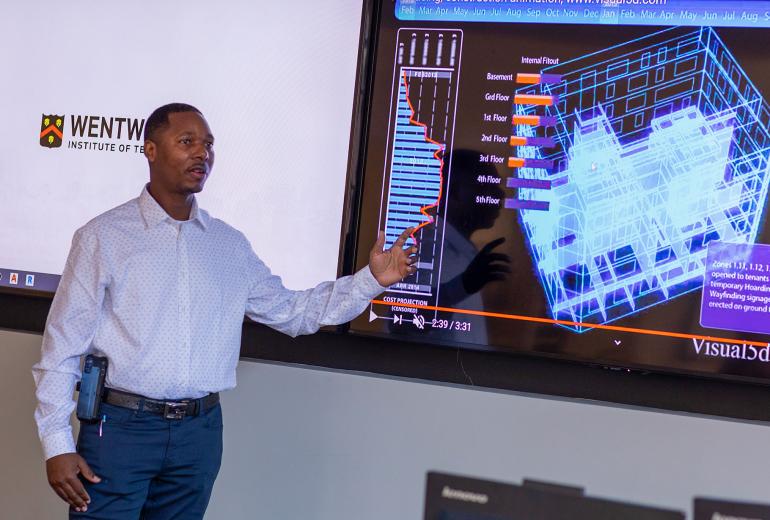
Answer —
329 303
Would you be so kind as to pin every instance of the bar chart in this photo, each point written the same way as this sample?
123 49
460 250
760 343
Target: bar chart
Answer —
423 105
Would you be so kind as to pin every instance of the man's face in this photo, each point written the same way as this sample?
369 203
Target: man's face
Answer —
181 155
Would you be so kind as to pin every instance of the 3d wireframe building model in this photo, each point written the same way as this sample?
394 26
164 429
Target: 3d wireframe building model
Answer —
661 146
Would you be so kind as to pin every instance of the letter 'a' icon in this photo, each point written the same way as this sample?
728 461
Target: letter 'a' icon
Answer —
51 131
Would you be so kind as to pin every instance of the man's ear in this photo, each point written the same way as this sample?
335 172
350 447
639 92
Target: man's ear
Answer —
150 151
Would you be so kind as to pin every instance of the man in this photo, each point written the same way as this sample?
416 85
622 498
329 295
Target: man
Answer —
160 288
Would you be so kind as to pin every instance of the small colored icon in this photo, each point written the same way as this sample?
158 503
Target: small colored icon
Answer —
29 280
14 279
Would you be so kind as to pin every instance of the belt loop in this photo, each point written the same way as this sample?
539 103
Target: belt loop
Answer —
140 408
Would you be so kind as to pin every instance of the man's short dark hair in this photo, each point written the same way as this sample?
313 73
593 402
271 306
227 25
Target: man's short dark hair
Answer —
158 120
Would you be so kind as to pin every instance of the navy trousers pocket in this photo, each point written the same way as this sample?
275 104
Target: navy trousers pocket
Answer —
151 467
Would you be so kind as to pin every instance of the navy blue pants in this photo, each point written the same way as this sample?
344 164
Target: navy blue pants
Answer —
151 468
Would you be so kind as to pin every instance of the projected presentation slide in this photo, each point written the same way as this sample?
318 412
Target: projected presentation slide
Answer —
587 179
81 81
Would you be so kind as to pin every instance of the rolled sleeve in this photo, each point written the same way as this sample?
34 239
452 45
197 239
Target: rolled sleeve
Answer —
367 284
57 443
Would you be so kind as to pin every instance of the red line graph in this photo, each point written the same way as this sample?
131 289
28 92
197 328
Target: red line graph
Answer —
412 120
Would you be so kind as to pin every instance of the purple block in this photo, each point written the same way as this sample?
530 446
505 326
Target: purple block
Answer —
538 163
565 241
736 288
538 205
550 79
547 121
545 142
537 184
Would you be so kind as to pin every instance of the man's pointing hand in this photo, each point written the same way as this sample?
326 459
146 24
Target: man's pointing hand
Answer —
394 264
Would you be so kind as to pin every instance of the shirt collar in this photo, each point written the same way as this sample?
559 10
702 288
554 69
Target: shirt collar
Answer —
154 214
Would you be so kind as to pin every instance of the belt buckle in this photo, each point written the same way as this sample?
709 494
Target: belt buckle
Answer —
175 411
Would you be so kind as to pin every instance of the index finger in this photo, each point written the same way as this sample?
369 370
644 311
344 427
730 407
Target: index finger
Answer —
77 486
72 497
403 237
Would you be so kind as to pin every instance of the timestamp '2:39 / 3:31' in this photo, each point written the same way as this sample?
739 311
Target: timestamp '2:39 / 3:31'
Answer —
462 326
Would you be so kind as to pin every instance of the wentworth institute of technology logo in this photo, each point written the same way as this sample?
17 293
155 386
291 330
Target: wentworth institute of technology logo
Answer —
51 131
92 133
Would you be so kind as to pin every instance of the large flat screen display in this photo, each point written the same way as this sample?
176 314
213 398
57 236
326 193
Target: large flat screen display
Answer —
587 179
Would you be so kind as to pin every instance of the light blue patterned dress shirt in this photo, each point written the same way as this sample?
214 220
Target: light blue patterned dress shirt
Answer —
164 300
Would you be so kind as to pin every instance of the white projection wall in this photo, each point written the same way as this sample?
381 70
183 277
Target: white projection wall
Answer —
279 109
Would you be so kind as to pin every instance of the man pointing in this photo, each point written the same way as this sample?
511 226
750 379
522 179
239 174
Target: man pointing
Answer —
160 288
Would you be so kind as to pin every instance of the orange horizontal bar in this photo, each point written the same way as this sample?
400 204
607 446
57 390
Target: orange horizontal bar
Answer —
532 99
651 332
526 120
518 141
527 79
515 162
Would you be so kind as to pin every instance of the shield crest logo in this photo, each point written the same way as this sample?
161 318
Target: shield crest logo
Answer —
51 130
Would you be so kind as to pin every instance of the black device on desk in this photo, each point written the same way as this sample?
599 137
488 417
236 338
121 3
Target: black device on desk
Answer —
91 387
453 497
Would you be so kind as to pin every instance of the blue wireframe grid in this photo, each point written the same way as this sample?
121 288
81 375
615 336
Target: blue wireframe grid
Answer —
662 147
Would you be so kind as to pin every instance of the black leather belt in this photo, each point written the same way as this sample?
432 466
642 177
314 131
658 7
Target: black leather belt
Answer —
168 409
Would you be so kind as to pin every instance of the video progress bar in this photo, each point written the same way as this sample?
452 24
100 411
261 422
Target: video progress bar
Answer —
650 332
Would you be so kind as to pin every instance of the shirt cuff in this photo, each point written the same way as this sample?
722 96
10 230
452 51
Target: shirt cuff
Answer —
367 283
57 443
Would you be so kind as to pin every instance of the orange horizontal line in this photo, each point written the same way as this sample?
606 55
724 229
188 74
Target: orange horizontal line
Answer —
515 162
526 120
528 79
650 332
518 141
532 99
